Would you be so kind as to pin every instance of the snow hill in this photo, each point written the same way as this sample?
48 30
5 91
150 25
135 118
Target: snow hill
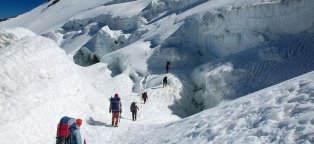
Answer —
233 76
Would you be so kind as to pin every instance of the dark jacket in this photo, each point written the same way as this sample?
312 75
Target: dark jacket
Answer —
134 107
165 80
144 95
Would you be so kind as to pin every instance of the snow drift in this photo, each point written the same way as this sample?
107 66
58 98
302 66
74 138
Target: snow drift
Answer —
219 50
38 85
11 35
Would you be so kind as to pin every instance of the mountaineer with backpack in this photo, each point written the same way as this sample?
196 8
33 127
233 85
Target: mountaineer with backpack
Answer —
134 109
144 97
68 131
164 82
116 109
167 66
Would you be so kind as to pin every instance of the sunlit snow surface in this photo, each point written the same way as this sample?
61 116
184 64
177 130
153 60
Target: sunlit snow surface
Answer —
227 57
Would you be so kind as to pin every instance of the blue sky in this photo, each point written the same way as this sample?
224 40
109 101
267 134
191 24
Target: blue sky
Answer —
10 8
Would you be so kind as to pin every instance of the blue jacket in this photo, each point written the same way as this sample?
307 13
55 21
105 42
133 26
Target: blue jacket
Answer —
75 129
76 135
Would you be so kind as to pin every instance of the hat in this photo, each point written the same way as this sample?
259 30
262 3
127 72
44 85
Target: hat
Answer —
116 95
79 122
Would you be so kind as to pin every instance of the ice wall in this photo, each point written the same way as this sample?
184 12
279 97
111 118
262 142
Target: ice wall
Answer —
90 39
229 30
254 69
283 26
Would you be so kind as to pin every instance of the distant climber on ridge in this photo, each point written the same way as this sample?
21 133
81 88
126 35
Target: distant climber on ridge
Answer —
167 66
164 84
144 97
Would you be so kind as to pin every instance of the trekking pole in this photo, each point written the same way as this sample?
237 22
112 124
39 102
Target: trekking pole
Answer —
119 116
139 114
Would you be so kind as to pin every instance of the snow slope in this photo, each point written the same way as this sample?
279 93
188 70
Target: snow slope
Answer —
282 113
219 50
11 35
38 85
44 18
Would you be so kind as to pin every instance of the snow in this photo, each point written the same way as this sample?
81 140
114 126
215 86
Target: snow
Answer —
124 10
234 77
282 113
11 35
255 69
52 17
31 93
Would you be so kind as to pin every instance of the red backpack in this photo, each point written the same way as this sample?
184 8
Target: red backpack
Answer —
63 130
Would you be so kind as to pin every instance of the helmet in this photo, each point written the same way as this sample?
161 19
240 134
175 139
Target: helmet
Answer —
79 122
116 95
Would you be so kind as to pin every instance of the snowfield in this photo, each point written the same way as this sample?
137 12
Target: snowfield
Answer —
241 71
283 113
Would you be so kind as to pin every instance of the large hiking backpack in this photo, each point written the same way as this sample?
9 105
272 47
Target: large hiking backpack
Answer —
133 106
115 104
64 132
144 95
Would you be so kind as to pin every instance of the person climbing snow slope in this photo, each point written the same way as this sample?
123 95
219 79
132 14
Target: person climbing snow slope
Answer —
134 109
164 82
167 66
144 97
116 109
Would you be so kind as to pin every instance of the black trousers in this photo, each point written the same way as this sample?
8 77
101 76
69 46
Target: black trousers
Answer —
134 115
164 84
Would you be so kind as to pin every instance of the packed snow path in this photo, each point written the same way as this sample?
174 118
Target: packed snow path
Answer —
40 83
159 109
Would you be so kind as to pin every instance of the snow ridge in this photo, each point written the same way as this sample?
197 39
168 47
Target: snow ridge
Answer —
221 53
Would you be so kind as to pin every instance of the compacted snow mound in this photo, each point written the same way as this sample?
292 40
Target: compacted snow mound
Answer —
266 41
11 35
39 84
